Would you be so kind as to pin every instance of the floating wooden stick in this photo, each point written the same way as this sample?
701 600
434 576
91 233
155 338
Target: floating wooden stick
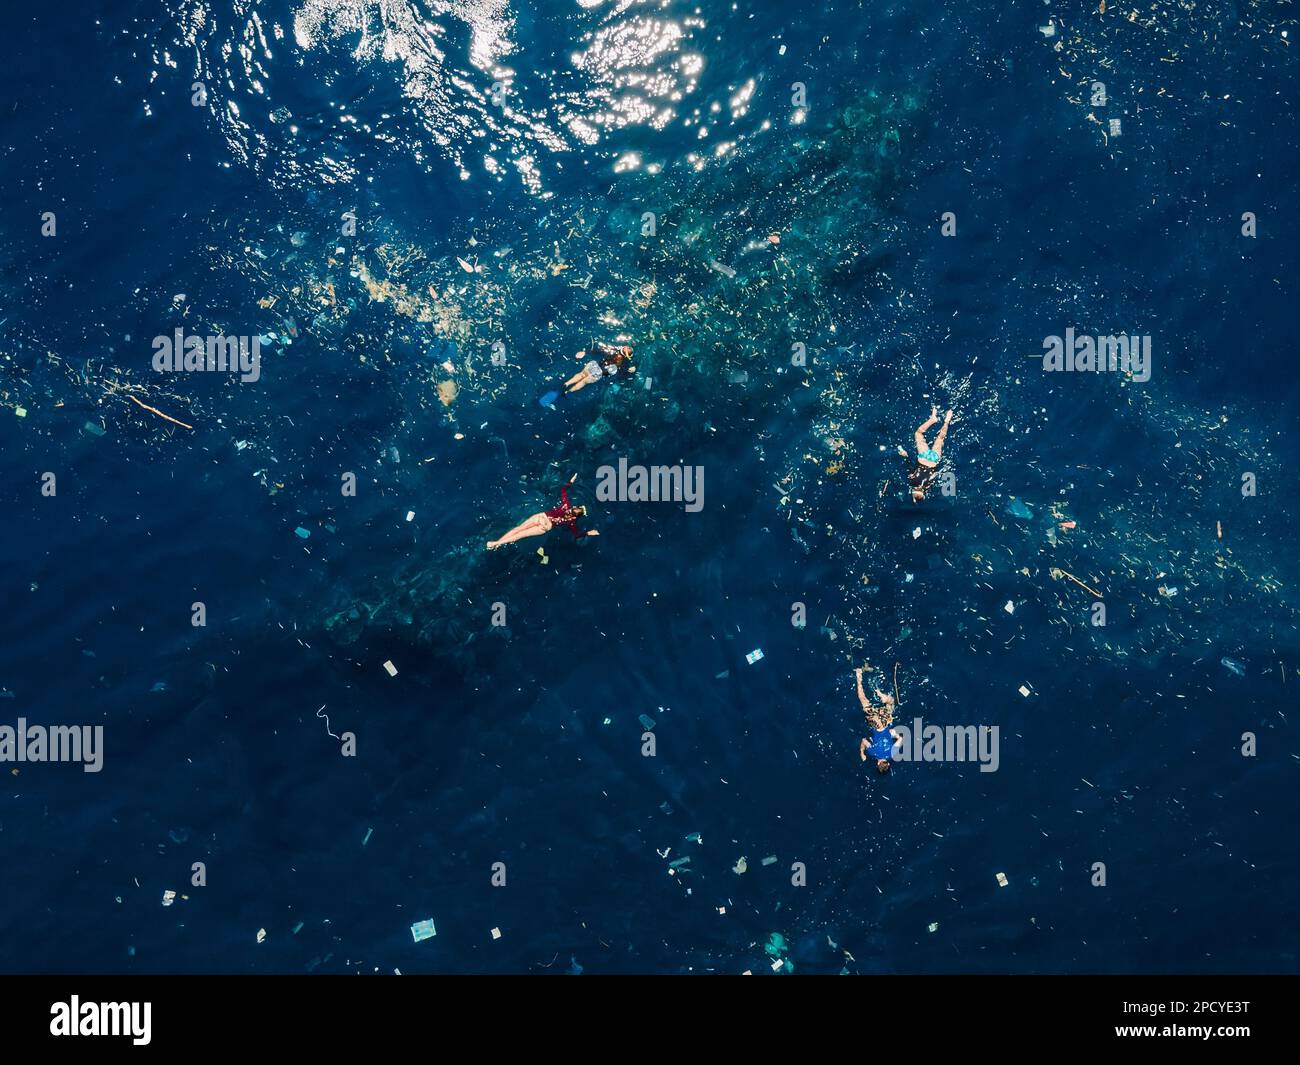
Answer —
1066 573
155 410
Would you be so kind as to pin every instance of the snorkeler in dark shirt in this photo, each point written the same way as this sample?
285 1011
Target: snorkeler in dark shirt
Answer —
606 362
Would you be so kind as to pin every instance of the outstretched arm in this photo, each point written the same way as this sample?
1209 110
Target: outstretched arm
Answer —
862 749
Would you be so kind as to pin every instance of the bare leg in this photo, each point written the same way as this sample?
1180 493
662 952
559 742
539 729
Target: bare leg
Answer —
943 432
921 445
575 379
862 696
537 525
578 383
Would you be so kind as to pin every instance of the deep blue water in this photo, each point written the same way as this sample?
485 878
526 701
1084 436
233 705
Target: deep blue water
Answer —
492 745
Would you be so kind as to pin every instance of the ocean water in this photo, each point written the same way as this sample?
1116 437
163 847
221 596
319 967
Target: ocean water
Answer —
315 173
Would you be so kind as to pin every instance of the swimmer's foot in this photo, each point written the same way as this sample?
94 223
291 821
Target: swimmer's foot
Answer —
492 545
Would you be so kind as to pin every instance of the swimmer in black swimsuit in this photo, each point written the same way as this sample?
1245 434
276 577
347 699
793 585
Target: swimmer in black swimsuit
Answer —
925 470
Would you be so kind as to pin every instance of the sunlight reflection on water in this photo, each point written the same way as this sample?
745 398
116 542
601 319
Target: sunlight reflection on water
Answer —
457 75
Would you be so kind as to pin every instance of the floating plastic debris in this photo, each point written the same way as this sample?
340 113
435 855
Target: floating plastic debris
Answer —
679 863
1115 128
647 721
770 860
168 898
367 839
741 865
410 515
392 669
1024 691
422 930
695 837
776 949
1049 30
464 265
261 934
95 429
1017 509
1010 608
933 926
302 533
496 933
1002 879
916 533
754 656
21 412
1232 665
722 268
